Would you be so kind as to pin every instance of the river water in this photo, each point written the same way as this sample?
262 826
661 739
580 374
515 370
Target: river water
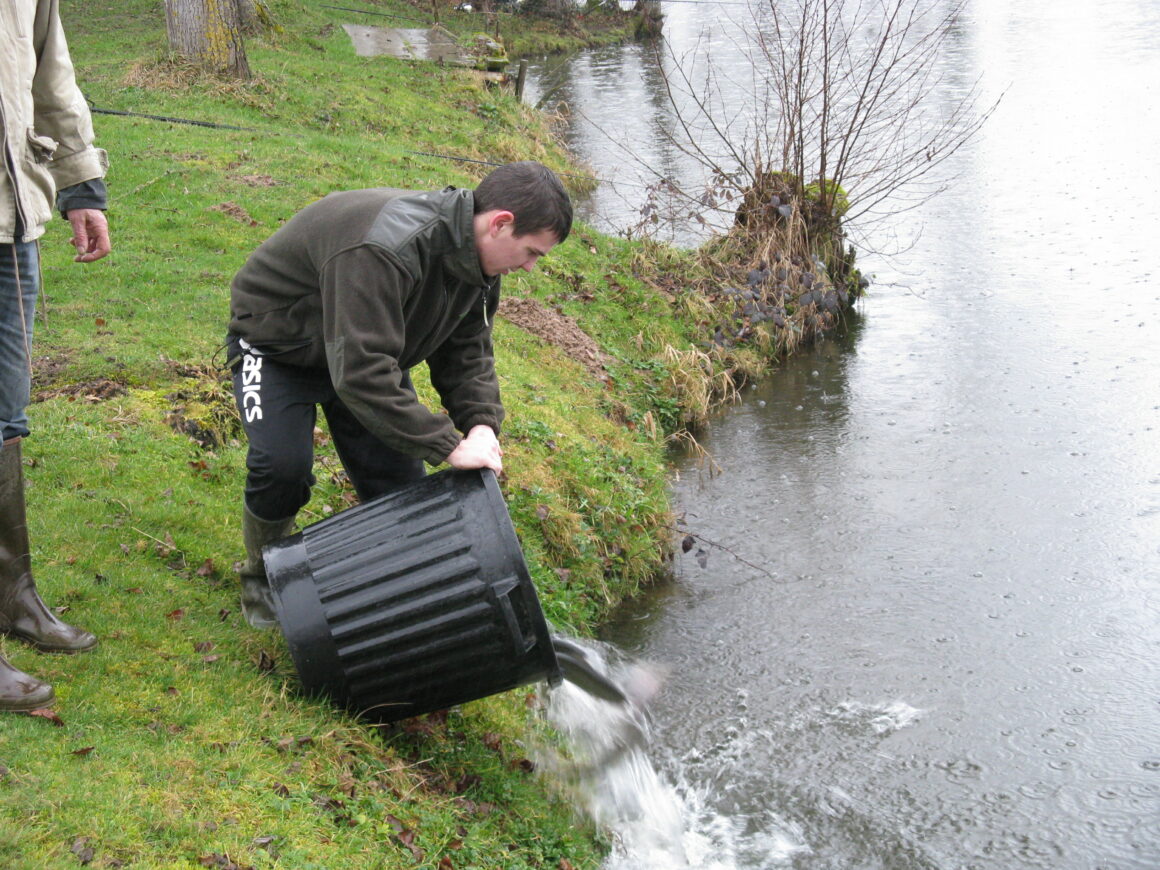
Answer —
921 624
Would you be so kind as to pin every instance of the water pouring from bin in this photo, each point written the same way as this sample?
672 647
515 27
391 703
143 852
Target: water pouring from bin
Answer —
420 600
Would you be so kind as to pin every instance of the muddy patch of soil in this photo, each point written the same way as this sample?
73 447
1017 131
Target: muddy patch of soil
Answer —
47 374
256 180
235 211
556 329
96 390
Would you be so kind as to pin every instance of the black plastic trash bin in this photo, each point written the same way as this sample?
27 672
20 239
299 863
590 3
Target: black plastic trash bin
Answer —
412 602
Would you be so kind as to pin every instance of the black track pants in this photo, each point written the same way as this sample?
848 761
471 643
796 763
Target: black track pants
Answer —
278 404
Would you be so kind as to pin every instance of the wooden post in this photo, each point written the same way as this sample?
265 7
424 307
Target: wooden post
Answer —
521 77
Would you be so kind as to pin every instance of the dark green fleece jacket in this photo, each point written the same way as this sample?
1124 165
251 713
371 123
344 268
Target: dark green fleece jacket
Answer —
367 284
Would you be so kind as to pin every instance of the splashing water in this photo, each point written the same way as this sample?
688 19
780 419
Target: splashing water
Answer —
666 810
601 759
880 718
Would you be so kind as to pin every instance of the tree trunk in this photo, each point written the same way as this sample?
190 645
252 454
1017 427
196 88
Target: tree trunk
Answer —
208 33
254 15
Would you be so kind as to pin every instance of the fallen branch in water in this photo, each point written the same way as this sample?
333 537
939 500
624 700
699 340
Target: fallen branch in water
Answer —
703 557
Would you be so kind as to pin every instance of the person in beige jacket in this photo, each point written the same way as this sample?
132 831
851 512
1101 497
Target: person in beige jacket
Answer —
46 140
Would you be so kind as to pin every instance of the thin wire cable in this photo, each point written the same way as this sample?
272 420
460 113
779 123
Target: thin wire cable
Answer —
171 120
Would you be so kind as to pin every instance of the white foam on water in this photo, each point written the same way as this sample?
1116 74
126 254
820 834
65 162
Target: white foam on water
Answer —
883 718
657 821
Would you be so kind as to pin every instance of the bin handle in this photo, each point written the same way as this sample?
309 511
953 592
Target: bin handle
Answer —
502 592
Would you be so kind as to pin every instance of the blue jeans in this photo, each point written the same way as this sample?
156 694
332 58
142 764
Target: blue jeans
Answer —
19 281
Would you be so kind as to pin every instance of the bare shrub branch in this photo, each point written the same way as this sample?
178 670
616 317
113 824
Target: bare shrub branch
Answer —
848 101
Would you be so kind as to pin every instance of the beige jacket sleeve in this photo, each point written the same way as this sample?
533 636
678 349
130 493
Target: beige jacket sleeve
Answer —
60 111
45 123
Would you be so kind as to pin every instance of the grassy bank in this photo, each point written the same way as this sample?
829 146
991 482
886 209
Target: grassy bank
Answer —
181 741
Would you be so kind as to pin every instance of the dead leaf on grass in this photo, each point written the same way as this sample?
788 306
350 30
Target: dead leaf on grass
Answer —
266 662
50 715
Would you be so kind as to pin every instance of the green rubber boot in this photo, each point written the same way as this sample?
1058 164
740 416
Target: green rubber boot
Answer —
20 693
23 614
257 599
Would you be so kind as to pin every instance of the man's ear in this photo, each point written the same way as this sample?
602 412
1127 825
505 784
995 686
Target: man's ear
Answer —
500 219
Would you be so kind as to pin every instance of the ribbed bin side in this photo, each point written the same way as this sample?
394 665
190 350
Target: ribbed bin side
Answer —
423 600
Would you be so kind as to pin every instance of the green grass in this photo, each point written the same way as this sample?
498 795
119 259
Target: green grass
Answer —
183 741
183 736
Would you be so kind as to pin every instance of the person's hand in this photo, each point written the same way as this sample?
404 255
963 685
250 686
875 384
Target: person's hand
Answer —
480 449
90 234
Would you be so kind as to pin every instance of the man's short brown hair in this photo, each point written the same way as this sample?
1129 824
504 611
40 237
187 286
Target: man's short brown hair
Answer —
530 191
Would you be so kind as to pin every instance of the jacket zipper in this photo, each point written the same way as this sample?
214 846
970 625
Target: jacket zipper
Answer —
485 323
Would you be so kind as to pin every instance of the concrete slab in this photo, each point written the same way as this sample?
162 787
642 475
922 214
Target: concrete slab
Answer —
415 43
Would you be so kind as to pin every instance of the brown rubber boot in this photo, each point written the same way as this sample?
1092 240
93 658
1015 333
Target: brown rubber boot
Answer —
257 599
22 612
20 693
